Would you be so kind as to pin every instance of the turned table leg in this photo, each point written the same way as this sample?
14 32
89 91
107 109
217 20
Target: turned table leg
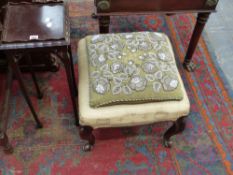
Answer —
104 22
200 24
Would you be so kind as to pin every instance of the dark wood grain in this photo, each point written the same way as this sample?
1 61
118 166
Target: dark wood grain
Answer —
200 24
156 5
177 127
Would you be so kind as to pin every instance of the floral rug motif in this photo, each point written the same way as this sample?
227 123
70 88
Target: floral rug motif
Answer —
205 147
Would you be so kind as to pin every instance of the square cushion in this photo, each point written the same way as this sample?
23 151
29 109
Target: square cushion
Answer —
124 114
131 68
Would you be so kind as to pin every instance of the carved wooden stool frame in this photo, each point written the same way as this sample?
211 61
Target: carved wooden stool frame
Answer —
177 127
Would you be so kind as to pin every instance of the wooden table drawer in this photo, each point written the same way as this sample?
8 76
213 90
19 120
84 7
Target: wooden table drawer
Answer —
154 5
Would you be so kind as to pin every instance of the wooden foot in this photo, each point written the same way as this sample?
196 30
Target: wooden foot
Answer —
177 127
87 147
189 66
39 126
86 134
4 142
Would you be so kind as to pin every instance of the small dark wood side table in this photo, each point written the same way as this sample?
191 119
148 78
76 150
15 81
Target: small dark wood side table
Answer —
107 8
31 28
41 62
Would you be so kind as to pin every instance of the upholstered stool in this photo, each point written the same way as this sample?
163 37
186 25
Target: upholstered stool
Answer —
129 79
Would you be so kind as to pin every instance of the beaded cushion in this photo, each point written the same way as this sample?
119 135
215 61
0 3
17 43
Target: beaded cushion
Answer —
131 68
125 114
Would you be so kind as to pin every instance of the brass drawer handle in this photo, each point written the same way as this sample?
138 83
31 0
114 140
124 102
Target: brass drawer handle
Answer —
211 3
103 5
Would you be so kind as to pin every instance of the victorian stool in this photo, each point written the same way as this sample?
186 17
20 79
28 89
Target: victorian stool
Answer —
129 79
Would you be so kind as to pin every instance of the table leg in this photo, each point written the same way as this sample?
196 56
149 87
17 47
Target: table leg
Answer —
29 61
67 63
200 24
72 71
5 107
4 141
104 22
13 63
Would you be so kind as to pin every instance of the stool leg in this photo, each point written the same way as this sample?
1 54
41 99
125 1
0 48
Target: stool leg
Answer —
177 127
29 61
4 142
72 71
67 63
15 68
86 134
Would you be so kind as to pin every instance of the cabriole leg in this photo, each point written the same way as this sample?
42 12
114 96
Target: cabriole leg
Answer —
177 127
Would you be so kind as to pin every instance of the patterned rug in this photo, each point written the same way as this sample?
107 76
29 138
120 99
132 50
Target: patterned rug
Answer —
205 147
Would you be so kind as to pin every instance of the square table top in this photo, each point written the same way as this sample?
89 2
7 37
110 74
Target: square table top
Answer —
35 25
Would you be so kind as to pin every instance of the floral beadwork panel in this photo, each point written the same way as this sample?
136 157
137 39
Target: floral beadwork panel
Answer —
131 68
